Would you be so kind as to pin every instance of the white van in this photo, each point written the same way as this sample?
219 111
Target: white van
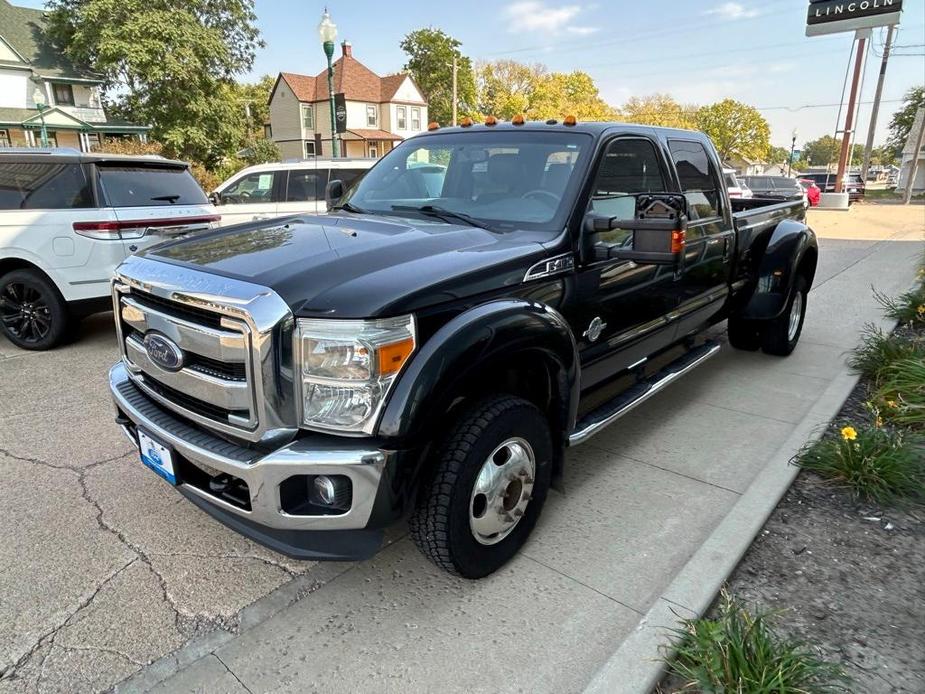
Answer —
274 190
68 219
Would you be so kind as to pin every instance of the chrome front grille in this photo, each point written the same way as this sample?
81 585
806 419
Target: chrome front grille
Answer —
235 338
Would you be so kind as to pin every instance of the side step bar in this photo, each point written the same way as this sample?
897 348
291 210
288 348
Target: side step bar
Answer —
598 419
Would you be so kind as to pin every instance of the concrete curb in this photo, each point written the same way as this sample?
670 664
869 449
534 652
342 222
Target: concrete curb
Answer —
635 666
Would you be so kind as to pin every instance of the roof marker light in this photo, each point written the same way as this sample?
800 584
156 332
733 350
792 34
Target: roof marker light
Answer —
465 122
518 119
491 120
570 121
433 125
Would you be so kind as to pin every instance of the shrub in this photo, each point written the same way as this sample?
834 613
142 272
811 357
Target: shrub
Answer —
738 651
908 307
877 350
875 463
900 394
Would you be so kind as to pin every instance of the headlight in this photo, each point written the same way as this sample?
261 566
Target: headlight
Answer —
347 368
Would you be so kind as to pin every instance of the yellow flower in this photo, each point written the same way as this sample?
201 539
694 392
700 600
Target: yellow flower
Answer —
849 434
891 404
921 311
879 422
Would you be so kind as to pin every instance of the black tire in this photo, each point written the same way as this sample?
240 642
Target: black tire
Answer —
744 334
440 525
778 339
33 314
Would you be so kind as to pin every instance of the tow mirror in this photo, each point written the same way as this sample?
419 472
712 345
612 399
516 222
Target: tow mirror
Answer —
333 192
659 226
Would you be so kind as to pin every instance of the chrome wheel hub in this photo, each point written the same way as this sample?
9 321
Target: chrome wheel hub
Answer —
502 490
796 313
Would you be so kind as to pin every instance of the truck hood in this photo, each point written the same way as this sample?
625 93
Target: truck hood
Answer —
361 266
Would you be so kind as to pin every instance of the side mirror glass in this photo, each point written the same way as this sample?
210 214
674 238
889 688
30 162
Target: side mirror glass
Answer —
659 226
333 192
215 198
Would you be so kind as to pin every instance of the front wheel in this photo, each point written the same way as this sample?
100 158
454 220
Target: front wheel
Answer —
782 334
491 477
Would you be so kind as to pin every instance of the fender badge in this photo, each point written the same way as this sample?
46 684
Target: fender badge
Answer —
595 329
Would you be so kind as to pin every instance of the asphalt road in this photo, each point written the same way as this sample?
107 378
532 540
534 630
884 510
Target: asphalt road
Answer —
105 570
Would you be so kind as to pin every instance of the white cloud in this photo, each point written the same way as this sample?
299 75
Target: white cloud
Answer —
535 16
732 11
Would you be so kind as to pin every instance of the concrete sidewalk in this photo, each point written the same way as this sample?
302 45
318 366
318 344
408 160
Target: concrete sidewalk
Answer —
653 506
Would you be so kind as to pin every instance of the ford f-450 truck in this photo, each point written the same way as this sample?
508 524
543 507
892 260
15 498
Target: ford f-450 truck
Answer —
485 297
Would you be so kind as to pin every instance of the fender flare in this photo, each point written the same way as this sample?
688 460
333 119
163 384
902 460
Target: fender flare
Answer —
467 344
791 250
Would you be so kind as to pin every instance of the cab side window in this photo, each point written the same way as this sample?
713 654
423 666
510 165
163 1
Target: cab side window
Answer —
699 181
251 189
630 166
306 186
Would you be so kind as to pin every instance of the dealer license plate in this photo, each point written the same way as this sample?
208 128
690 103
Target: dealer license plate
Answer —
156 456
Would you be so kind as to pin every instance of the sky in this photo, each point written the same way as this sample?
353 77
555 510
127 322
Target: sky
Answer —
698 52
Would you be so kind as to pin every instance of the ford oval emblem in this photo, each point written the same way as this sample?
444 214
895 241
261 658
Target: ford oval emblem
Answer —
163 351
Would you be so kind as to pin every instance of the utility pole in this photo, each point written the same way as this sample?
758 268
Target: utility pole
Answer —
916 154
876 109
849 118
455 98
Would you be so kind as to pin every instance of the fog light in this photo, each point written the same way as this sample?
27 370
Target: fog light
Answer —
331 490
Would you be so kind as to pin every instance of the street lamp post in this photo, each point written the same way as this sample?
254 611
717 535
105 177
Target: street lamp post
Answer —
327 31
39 98
793 145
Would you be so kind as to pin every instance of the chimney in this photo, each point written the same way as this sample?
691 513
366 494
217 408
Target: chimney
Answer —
347 49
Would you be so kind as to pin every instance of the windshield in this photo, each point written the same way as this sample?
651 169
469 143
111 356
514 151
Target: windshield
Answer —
503 179
131 185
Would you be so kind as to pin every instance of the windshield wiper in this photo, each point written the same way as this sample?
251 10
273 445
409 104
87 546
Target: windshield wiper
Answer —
349 208
169 198
442 213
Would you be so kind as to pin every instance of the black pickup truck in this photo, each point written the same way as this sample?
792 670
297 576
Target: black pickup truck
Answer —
482 299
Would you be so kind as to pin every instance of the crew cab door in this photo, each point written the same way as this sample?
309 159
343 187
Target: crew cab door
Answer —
704 283
620 315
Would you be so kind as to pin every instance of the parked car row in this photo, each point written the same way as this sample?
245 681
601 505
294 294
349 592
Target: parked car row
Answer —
67 219
854 184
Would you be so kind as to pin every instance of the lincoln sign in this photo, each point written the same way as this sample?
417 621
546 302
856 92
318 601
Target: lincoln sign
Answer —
834 16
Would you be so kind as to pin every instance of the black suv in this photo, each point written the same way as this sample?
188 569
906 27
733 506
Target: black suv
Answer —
777 187
854 185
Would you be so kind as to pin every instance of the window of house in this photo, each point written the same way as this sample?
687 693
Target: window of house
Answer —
267 131
52 138
64 94
698 178
401 117
372 116
93 140
309 148
5 138
415 119
308 117
373 150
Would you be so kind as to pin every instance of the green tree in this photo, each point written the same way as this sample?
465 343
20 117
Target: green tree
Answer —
660 110
736 129
883 156
169 63
561 94
430 62
903 119
778 155
823 151
505 88
254 98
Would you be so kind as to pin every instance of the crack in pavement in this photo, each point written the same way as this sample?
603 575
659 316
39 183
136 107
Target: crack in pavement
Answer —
230 672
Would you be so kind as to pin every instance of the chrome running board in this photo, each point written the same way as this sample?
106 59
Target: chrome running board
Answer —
603 416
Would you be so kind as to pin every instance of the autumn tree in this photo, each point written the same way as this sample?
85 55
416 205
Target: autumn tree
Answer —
903 119
430 62
505 88
167 63
659 110
561 94
736 129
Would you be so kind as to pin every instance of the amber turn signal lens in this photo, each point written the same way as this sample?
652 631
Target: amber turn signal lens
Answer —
465 122
518 119
570 120
677 241
393 356
491 120
433 125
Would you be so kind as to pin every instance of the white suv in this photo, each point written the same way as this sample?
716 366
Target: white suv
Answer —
274 190
68 219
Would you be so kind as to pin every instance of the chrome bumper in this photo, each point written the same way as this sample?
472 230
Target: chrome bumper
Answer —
262 473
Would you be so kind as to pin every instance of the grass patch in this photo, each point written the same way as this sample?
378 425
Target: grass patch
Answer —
876 464
908 307
900 393
878 350
738 651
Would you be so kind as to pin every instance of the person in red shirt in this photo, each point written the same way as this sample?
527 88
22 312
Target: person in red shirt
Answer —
812 191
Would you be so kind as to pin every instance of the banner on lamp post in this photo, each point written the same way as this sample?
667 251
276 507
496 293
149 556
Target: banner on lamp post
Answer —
340 113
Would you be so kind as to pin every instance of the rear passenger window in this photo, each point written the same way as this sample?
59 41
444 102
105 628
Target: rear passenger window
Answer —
347 176
43 186
306 186
698 178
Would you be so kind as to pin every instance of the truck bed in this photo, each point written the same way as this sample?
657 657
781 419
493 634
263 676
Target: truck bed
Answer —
757 214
